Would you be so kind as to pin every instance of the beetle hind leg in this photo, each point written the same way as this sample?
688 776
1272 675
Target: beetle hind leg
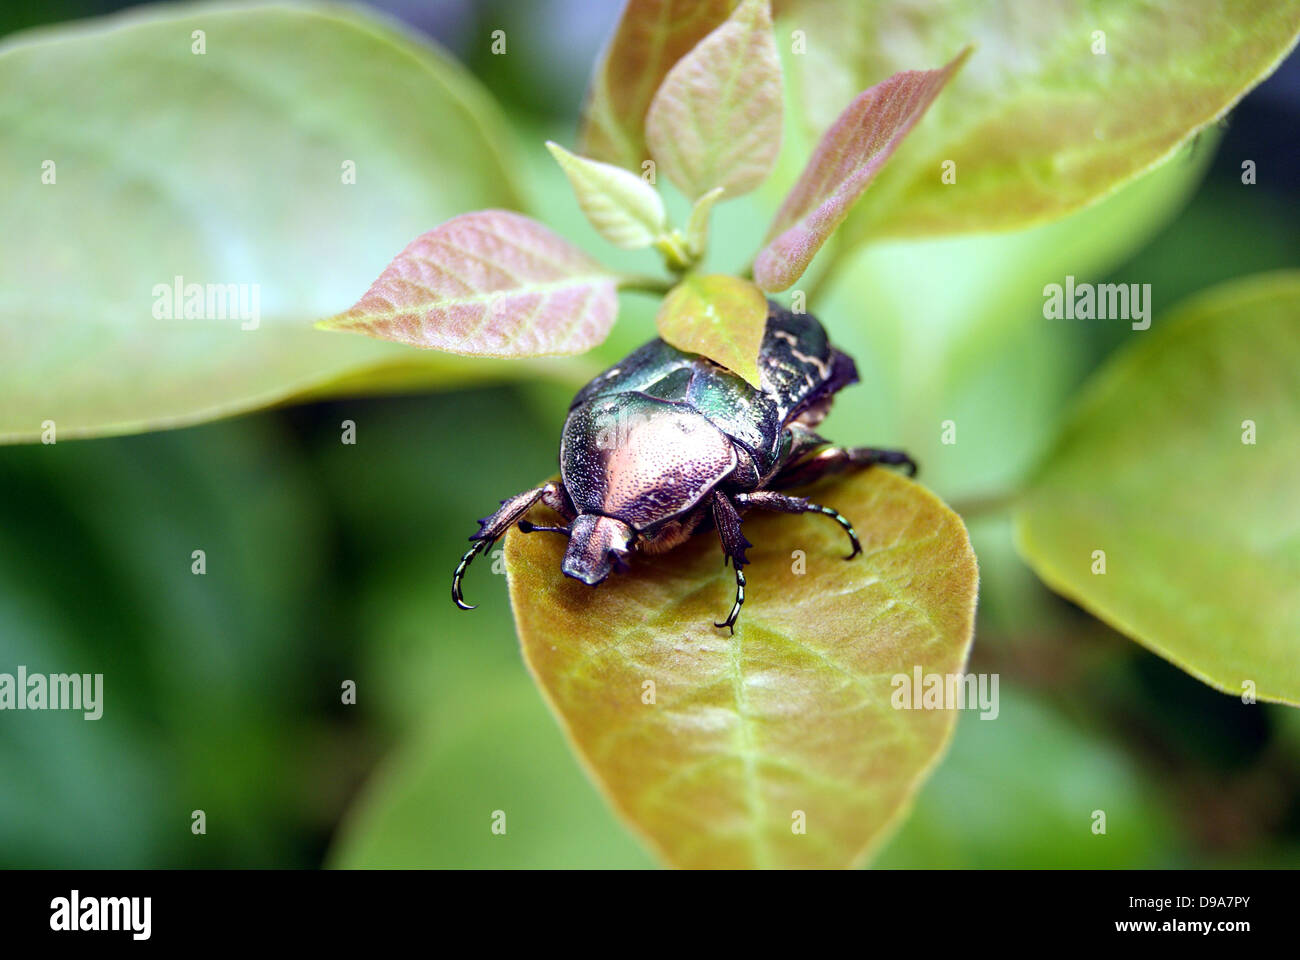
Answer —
727 519
730 622
783 503
832 460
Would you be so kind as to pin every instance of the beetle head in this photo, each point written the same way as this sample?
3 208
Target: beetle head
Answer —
595 544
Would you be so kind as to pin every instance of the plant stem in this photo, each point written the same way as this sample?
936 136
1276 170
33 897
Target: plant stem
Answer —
646 284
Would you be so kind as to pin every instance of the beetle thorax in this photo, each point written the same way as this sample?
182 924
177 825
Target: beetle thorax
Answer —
641 460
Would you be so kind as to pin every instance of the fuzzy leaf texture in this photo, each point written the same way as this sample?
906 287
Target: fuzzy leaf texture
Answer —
1199 526
718 316
794 712
490 283
651 36
716 119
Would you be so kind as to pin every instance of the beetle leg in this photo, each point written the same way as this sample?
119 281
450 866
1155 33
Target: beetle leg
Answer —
837 460
734 544
491 528
768 500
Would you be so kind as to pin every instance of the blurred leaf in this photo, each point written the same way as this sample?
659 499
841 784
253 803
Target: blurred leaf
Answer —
716 120
791 714
718 316
969 344
1020 790
489 283
212 683
1038 124
843 164
651 36
623 208
227 167
1200 528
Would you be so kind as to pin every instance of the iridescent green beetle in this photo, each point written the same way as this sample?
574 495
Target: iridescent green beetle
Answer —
667 443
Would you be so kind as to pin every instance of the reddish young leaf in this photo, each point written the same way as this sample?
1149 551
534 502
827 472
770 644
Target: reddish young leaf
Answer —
716 120
491 284
846 159
652 35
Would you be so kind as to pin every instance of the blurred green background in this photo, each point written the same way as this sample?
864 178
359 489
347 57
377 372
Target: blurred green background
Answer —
223 692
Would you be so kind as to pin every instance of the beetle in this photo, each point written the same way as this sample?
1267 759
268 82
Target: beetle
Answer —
667 443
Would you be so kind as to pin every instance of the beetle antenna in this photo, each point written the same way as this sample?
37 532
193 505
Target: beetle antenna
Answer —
527 527
470 554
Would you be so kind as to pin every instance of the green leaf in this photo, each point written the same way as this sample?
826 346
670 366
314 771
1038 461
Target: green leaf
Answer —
847 158
623 208
489 283
793 713
226 167
1037 124
1200 528
1020 792
718 316
652 35
716 119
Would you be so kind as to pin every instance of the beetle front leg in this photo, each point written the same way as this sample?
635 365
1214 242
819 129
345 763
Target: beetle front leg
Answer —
768 500
727 520
491 528
834 460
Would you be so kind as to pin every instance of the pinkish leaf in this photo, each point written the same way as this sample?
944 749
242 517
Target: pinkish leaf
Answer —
490 284
652 35
846 159
716 120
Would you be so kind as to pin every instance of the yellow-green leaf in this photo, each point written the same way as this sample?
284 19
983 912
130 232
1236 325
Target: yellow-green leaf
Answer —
719 316
623 208
1060 104
716 748
1169 506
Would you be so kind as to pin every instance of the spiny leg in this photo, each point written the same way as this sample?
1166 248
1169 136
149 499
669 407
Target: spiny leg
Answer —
491 528
769 500
834 460
727 520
